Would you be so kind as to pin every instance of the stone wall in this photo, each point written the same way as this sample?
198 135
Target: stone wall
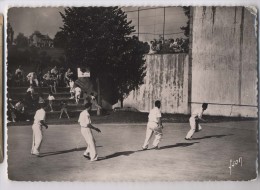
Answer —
224 61
166 80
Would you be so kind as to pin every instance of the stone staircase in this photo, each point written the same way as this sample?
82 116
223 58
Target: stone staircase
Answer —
63 94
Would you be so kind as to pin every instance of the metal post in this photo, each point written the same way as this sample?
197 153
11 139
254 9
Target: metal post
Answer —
138 22
163 23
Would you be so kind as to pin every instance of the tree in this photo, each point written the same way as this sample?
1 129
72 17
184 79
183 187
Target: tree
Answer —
99 38
59 40
186 28
129 74
21 40
10 34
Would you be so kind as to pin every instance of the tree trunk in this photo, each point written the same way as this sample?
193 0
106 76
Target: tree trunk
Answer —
98 92
121 102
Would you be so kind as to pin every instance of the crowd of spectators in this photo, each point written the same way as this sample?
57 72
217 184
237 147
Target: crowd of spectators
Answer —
53 78
163 46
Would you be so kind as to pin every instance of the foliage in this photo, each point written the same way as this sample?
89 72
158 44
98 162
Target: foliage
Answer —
59 40
99 38
186 28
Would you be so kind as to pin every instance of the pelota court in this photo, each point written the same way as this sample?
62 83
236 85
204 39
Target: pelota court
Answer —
206 157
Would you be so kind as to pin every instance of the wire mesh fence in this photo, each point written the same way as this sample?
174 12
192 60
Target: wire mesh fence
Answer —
160 27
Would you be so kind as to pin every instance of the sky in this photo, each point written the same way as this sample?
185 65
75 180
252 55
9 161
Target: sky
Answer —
47 20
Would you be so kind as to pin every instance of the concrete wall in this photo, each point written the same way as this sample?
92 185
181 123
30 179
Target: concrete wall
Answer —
224 61
167 80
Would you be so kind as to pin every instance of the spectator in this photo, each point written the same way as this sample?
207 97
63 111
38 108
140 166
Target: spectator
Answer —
77 94
10 111
72 88
19 111
32 77
51 98
31 90
19 71
159 47
55 73
68 75
152 47
47 77
94 102
64 109
53 84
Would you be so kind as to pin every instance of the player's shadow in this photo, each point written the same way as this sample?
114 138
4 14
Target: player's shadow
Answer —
63 151
212 136
116 154
177 145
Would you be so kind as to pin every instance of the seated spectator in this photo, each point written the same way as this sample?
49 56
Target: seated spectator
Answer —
32 78
19 111
68 75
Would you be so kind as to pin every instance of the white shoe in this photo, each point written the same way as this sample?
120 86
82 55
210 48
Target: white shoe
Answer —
95 158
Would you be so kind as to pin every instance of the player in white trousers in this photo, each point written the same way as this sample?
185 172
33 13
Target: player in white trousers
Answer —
195 118
39 122
154 126
85 123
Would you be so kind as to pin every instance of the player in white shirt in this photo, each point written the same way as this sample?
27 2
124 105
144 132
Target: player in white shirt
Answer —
154 126
195 118
51 98
85 123
77 94
39 122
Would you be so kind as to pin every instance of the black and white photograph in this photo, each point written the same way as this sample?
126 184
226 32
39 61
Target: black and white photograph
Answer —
132 93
